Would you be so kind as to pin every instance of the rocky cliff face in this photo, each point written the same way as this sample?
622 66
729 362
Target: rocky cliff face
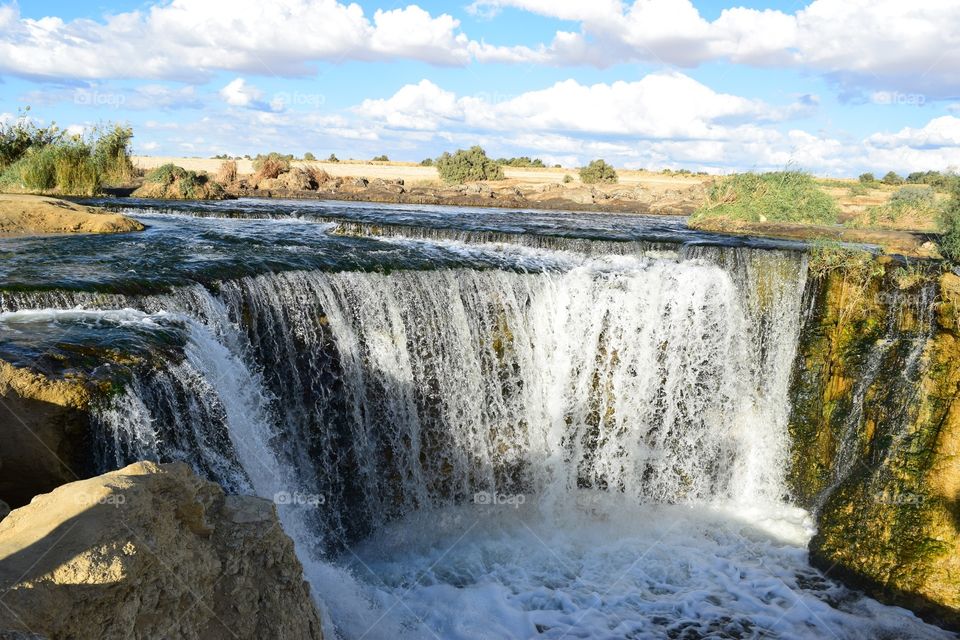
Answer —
876 432
151 551
44 433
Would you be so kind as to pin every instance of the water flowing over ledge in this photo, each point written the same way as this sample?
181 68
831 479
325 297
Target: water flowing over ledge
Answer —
461 449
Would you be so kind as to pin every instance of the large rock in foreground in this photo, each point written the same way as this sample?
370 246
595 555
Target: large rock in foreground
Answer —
151 551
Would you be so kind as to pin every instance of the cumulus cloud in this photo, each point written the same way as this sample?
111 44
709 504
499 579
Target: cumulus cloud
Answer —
661 120
663 105
189 39
882 44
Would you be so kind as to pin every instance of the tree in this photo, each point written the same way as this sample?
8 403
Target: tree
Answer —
309 157
382 158
468 165
867 178
333 158
426 162
598 171
892 178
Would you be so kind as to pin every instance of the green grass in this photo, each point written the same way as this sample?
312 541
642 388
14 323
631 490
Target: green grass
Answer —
47 159
780 196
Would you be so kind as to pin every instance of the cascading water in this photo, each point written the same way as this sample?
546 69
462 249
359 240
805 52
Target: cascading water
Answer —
595 449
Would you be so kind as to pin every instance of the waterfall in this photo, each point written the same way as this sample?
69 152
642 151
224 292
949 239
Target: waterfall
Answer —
630 407
661 380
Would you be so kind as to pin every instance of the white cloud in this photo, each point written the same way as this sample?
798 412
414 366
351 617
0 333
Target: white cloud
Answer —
664 105
238 93
883 44
936 134
661 120
189 39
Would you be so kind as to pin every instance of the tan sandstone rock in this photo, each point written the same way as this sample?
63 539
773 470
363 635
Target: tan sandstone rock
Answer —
27 214
151 551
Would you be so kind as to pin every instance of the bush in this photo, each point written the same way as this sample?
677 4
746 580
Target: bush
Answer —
171 181
523 161
382 158
468 165
272 162
782 196
892 178
309 157
333 158
949 223
567 179
867 178
426 162
598 171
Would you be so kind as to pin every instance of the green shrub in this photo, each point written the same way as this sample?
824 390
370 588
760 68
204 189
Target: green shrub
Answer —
567 178
867 178
781 196
426 162
949 223
309 157
382 158
523 161
333 158
468 165
187 185
892 178
598 171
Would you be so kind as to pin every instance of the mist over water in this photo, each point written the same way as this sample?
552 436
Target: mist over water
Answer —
528 439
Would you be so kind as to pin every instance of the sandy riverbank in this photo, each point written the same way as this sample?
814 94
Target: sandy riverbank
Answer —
26 215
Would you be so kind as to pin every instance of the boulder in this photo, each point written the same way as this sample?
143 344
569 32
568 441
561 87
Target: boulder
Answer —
151 551
297 180
44 434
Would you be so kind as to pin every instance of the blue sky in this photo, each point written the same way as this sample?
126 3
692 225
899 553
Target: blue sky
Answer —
833 86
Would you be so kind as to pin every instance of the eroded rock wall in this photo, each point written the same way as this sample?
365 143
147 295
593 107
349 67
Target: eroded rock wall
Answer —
876 433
